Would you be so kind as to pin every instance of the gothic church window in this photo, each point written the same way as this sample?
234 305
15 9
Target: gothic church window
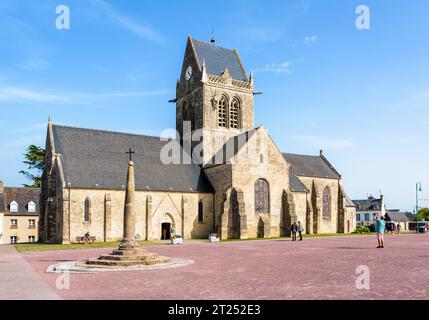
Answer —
262 197
87 210
326 213
200 212
223 112
192 113
234 113
185 111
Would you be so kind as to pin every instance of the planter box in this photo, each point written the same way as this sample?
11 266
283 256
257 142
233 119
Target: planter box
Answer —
214 238
177 240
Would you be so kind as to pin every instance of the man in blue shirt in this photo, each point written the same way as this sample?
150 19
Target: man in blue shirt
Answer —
380 226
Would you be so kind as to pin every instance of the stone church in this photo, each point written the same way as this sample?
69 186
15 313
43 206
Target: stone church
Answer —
219 175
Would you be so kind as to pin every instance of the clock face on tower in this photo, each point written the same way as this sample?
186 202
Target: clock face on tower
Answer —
188 73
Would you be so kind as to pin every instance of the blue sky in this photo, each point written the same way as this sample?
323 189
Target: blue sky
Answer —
360 95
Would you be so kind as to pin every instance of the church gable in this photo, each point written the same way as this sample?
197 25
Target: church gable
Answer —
259 149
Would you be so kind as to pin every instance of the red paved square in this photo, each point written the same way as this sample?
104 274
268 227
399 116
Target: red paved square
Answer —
319 268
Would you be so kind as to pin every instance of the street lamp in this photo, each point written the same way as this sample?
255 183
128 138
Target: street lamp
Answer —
418 189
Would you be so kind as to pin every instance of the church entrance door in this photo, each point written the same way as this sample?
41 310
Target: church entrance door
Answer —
165 231
260 229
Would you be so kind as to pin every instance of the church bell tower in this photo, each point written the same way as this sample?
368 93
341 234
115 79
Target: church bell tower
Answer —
214 98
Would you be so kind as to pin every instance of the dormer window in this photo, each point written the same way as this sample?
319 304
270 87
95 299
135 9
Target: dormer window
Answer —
13 207
32 207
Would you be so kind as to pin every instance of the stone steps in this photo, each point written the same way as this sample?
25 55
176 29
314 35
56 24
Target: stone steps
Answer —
113 257
129 263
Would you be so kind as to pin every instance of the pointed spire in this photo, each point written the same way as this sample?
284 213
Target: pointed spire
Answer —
204 78
251 77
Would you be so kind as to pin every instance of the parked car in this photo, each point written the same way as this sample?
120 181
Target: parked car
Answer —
423 227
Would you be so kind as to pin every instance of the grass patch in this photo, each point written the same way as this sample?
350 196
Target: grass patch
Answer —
41 247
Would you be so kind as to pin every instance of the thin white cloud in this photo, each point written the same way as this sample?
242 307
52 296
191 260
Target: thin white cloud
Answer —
283 67
22 94
310 39
323 142
33 64
145 32
19 94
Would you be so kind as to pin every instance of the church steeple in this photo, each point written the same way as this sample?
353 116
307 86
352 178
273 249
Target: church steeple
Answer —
214 92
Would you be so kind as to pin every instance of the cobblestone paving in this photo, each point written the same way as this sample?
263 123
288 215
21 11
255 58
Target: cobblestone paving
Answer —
323 268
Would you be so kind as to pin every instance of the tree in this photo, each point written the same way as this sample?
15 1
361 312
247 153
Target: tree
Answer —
34 160
424 214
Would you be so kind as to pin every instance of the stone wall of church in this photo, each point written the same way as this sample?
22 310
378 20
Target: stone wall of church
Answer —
107 209
300 199
350 219
261 161
324 225
220 178
215 137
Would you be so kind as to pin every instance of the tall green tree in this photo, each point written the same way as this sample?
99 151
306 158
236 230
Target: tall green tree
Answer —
424 214
35 162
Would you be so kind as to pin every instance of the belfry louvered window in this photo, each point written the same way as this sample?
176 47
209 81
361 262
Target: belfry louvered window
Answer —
234 114
223 112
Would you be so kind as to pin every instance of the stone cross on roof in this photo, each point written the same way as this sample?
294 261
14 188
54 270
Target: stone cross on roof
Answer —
130 152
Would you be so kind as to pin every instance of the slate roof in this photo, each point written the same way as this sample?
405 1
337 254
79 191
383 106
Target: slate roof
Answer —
370 204
23 196
398 216
349 203
295 184
97 159
310 166
218 59
231 148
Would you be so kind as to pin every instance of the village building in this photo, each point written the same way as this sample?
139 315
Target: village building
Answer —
366 210
19 215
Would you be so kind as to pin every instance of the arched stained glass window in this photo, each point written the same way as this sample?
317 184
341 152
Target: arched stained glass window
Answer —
87 210
262 197
200 212
326 213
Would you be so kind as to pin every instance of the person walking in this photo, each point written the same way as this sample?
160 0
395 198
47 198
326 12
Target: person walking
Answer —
398 227
294 230
300 230
380 226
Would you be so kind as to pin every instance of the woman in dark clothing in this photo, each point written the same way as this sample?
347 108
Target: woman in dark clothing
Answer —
294 229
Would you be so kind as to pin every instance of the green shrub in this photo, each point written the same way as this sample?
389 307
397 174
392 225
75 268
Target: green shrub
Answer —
361 230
